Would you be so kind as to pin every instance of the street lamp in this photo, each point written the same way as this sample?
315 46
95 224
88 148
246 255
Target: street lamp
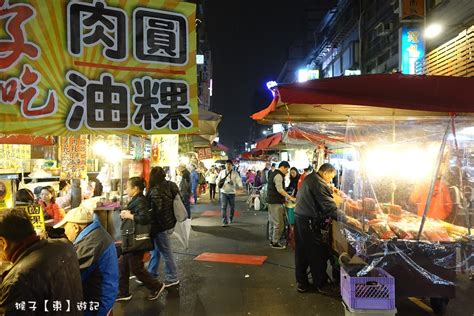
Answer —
302 75
433 30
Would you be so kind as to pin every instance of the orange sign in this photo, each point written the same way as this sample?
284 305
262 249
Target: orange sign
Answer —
412 8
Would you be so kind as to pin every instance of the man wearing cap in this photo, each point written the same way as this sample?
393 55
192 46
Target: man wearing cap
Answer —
276 199
40 271
97 256
228 181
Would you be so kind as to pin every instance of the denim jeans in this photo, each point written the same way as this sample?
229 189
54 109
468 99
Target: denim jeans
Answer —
163 248
194 189
225 200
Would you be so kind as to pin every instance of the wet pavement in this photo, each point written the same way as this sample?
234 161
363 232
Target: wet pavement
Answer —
210 288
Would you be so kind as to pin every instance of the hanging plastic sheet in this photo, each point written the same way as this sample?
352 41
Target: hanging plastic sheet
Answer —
406 183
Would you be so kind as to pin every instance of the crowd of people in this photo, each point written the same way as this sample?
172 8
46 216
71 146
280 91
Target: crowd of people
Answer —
92 269
99 271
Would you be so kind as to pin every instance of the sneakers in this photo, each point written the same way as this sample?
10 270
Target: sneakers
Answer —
122 298
276 245
302 288
155 294
139 282
168 284
329 291
225 224
231 220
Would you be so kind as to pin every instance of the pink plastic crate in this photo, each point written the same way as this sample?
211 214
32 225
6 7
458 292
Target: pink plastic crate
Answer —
371 292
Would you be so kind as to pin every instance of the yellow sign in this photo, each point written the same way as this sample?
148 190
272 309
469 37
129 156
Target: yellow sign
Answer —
35 212
164 150
89 67
13 156
6 195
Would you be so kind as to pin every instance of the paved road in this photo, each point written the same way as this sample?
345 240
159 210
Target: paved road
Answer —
209 288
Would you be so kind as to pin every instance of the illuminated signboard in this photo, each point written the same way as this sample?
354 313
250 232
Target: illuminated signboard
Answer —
412 49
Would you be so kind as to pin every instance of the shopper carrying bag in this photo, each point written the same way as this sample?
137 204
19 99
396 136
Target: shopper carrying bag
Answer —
136 241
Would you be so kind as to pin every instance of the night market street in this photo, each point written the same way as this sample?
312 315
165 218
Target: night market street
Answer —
340 132
209 288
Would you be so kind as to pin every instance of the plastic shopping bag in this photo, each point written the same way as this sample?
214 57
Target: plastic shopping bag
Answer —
182 231
257 204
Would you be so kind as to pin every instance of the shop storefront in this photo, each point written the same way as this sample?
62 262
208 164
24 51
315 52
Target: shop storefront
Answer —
79 105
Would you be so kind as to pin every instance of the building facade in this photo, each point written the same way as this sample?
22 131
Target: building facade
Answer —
382 36
203 58
451 52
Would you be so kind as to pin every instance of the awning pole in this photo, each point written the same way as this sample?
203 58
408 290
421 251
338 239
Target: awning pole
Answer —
433 181
394 186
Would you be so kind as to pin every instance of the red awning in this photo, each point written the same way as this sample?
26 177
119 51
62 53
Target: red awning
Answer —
220 147
337 99
27 140
246 155
312 137
270 141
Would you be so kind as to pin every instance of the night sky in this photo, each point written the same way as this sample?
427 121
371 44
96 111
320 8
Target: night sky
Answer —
249 43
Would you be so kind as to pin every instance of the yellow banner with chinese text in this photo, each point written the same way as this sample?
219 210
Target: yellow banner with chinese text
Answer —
36 215
97 67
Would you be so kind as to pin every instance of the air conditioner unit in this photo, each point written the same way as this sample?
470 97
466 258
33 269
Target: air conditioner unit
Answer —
383 29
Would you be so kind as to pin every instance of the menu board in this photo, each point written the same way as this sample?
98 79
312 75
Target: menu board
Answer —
12 157
73 157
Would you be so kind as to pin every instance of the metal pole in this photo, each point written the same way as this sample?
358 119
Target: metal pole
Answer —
433 181
394 185
121 171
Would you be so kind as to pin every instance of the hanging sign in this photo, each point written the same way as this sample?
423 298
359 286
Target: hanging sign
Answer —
412 9
412 49
204 153
96 66
186 144
73 157
164 150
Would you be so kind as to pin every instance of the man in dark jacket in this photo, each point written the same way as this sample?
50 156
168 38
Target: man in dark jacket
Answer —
315 205
97 256
42 272
161 196
276 195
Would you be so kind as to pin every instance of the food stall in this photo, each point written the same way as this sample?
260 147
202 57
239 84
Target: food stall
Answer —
92 99
407 141
406 190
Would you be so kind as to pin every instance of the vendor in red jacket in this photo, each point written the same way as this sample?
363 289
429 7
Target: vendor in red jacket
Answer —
303 176
48 203
441 204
